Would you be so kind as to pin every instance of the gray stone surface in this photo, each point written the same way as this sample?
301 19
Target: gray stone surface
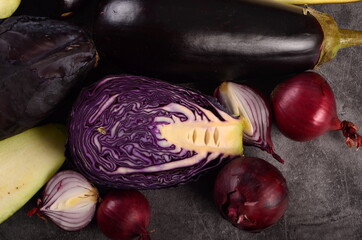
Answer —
324 178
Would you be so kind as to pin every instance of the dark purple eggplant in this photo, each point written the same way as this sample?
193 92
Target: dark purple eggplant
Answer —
52 8
41 61
223 40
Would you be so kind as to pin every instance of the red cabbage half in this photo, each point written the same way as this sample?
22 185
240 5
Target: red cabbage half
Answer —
135 132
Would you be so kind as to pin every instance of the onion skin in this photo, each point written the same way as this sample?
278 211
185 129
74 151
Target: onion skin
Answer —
124 215
305 108
251 193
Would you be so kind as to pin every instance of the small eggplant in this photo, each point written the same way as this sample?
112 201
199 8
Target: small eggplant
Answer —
197 40
41 62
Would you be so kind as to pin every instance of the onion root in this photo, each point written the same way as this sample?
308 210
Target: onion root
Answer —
349 129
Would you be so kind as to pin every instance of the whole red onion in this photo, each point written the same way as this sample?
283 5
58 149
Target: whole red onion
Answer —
305 108
251 193
124 215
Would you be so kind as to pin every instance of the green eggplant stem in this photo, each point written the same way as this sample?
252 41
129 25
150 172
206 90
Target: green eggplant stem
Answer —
349 38
334 37
310 2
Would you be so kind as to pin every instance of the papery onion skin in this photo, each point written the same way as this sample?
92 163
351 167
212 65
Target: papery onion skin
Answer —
69 200
124 215
251 193
248 102
118 127
305 108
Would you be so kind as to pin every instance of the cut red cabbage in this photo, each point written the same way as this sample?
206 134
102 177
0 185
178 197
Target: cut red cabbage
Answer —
136 132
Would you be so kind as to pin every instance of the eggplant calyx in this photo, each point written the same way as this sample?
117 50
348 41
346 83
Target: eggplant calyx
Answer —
302 2
334 37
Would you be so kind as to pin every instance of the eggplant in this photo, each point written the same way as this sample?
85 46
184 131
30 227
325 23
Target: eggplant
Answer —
52 8
41 62
216 40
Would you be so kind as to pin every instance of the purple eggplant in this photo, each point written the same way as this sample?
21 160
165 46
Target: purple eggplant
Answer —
41 61
52 8
198 40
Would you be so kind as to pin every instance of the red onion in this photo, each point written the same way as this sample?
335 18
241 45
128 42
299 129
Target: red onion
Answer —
251 193
124 215
249 103
69 200
305 108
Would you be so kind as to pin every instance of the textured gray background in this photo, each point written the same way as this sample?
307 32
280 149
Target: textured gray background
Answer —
323 175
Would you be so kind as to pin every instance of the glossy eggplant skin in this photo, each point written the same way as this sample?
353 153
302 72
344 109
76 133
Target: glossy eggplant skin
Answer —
201 40
41 62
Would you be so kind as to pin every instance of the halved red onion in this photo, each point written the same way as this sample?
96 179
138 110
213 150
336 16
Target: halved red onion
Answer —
69 200
242 100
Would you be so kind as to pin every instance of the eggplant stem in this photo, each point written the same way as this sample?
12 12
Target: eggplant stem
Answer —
311 2
350 38
334 37
353 139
